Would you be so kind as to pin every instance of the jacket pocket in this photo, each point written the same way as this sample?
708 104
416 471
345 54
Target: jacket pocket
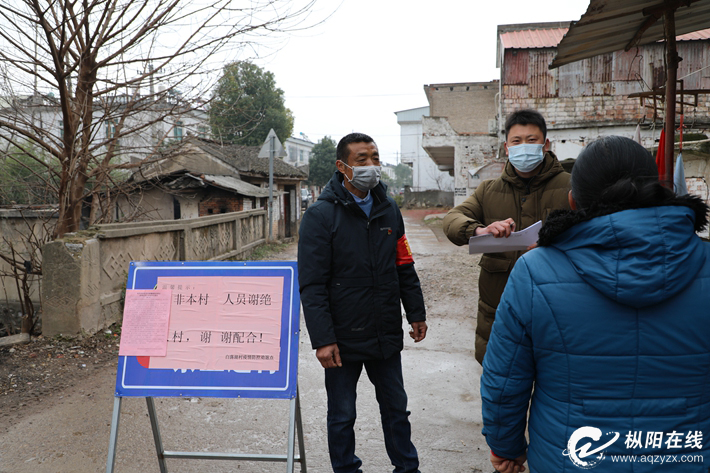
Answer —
494 264
350 307
389 307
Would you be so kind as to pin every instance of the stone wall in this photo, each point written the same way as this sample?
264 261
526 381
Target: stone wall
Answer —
466 151
84 276
22 231
429 198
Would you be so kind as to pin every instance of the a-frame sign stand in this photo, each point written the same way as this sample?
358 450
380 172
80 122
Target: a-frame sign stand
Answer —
267 290
295 427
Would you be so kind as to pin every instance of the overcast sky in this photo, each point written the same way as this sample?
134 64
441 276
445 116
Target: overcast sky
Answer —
372 58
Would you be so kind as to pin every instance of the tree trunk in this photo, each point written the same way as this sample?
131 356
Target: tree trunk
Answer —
70 202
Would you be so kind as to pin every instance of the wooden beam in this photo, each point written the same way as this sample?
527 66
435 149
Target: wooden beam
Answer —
661 91
650 21
654 14
672 74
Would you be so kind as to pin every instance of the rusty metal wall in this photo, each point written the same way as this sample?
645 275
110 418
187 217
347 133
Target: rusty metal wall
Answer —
543 81
597 89
569 80
694 56
627 65
599 69
515 67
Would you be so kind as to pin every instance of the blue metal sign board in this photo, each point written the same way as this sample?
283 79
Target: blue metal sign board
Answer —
134 379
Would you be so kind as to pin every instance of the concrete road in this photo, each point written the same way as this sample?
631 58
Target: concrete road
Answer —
441 378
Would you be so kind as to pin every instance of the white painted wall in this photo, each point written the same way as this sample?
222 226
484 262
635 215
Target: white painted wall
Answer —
470 151
425 174
568 142
298 151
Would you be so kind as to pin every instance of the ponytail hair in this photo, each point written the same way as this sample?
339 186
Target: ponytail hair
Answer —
613 174
617 172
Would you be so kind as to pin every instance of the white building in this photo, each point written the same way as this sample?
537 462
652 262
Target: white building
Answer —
143 130
298 150
425 173
388 170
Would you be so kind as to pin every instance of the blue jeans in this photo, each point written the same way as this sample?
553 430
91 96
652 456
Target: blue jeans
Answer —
341 385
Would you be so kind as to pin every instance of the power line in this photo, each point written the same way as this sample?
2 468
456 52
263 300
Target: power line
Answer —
347 96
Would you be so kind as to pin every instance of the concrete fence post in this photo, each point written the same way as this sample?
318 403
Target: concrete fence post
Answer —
70 288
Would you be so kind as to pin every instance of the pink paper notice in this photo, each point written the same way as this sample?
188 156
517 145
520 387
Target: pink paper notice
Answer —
146 315
223 323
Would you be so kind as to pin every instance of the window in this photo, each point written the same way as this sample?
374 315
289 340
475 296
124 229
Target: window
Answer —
177 130
202 131
300 156
61 129
111 132
111 128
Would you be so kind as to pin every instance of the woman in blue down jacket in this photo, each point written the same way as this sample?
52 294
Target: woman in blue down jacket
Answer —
609 320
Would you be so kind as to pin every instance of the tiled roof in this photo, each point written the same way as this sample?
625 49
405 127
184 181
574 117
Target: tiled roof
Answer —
246 159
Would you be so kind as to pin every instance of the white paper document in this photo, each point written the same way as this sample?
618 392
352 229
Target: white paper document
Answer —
516 241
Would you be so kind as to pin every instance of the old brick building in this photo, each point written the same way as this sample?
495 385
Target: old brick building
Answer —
581 101
590 98
460 133
200 177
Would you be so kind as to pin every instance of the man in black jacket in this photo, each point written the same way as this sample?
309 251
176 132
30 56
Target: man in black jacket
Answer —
354 268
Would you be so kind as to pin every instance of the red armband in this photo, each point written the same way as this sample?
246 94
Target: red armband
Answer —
497 456
404 252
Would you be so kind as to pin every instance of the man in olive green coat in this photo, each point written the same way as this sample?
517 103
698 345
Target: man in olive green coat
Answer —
532 184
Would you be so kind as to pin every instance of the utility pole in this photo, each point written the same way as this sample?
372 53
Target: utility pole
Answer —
271 149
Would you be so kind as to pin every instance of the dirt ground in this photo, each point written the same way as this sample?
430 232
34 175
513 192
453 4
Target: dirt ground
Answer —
56 395
33 375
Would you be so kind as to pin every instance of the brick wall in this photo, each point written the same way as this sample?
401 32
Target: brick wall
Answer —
220 204
597 110
467 106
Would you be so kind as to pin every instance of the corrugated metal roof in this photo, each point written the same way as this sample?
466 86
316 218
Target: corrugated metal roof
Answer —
695 35
611 25
534 38
529 39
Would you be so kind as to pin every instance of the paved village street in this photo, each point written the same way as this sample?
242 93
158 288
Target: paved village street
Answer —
70 434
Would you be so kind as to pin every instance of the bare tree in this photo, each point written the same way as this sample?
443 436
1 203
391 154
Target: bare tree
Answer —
92 87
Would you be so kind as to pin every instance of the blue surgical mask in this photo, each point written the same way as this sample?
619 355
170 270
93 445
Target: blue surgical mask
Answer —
525 157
